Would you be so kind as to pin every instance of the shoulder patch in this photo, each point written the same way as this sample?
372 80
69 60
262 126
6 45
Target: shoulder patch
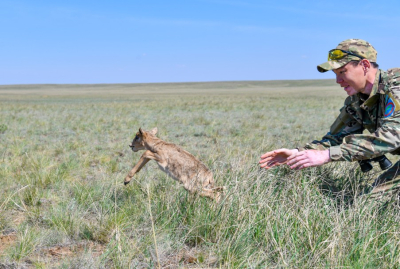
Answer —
390 107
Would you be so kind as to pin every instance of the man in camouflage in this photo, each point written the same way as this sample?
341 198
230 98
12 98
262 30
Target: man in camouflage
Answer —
373 104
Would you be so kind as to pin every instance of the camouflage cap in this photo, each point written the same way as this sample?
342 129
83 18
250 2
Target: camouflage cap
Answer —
357 46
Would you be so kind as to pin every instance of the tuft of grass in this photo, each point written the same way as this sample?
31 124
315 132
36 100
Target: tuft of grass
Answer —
3 128
25 245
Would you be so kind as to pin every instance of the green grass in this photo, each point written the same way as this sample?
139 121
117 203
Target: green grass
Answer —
64 155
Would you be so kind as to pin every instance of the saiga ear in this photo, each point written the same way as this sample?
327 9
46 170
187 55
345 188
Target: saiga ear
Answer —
154 131
142 133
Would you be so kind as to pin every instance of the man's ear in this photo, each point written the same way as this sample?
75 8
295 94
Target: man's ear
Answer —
154 131
366 64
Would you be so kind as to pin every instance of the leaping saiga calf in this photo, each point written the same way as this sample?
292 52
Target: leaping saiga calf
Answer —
176 162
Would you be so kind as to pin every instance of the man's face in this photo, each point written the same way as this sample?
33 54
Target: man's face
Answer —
351 78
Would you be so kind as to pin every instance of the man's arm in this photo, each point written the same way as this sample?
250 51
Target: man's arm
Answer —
320 152
343 126
366 146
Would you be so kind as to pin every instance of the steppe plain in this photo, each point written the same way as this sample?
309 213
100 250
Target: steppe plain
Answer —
64 155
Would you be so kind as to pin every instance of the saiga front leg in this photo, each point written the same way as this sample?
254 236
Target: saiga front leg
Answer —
145 158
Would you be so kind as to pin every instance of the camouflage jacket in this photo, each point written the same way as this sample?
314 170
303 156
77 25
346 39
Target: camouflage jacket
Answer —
379 113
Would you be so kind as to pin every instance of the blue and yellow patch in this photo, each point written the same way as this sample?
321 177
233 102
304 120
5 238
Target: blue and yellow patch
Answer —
390 107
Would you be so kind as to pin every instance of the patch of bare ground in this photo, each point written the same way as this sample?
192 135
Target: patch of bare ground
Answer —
7 239
189 258
55 255
12 266
70 250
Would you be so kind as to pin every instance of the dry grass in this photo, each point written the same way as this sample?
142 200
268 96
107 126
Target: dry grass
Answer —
64 154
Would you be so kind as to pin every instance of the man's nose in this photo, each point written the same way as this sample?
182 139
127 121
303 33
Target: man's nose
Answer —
338 79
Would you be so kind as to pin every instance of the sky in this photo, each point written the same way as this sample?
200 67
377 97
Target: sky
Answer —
80 41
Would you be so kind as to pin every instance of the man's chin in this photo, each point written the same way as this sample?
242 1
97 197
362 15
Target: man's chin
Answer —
350 93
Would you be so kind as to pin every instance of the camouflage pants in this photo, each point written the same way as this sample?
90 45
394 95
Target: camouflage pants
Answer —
387 182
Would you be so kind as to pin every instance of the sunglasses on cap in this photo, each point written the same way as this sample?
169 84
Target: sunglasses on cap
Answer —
337 54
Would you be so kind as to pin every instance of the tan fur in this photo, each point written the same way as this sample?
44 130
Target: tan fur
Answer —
176 162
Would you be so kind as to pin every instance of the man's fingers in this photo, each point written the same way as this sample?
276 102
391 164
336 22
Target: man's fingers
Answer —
298 165
268 154
269 164
266 166
274 158
274 153
306 165
263 160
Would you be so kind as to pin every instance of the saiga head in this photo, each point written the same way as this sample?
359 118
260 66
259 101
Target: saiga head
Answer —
138 143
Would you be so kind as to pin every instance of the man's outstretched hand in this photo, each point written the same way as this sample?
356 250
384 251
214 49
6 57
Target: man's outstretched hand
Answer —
294 158
276 157
308 158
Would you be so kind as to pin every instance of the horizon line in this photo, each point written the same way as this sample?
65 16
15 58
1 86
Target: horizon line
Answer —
177 82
